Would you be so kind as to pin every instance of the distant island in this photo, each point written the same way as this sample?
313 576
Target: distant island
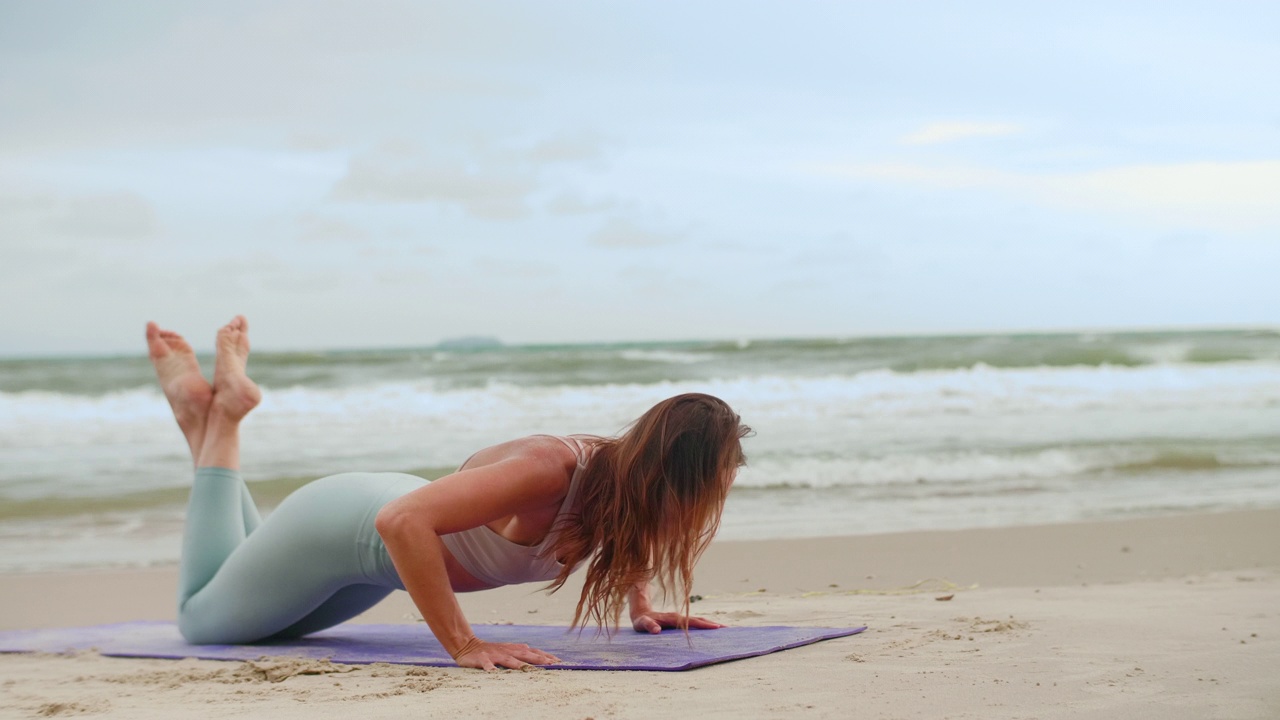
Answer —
470 342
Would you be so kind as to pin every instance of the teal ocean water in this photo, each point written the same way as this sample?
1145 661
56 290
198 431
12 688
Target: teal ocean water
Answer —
852 436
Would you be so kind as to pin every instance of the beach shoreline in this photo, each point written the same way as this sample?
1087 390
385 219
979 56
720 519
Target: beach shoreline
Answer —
1164 617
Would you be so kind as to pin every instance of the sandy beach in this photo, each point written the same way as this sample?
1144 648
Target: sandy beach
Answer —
1173 617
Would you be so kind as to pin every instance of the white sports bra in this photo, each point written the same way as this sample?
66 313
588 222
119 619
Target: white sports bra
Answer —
495 560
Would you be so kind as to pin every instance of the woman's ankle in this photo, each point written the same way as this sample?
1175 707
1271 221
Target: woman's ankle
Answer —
221 442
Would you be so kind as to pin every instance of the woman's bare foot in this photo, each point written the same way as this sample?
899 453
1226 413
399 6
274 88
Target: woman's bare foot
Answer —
234 394
188 393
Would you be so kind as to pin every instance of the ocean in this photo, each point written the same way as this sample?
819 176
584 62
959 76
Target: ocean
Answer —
852 436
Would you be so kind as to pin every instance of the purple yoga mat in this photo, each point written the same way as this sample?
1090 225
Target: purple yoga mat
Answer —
414 644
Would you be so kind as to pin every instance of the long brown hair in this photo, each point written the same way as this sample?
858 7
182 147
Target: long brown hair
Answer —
649 502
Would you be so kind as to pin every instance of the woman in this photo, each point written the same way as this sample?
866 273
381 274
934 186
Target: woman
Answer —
633 508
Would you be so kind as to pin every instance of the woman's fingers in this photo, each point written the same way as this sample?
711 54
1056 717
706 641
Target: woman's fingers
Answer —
542 656
533 656
655 622
510 655
651 623
491 656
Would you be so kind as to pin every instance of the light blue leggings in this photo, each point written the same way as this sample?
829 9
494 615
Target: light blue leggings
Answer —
314 562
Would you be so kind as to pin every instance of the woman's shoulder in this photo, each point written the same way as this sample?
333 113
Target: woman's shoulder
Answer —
555 450
549 454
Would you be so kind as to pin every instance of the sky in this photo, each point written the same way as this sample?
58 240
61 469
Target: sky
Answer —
363 174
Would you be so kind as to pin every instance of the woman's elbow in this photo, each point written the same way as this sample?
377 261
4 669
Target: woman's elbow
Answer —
390 521
394 522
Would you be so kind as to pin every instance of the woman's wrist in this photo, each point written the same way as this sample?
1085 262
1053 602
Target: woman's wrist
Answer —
638 609
638 600
472 644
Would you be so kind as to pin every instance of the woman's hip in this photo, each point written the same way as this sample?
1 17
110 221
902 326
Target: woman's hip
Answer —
336 515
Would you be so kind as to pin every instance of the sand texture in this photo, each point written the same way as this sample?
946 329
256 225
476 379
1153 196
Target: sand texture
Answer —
1173 617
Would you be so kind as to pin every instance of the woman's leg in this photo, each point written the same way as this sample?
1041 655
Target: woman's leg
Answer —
242 579
313 562
220 512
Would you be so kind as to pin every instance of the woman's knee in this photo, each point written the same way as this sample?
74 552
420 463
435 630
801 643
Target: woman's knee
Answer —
210 624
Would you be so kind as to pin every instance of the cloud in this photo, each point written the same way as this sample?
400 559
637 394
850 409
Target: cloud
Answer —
486 182
1230 196
181 71
309 142
324 230
945 132
508 267
622 232
1239 195
40 219
579 147
571 204
491 188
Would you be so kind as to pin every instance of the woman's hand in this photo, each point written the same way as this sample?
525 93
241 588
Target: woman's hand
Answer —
489 656
654 622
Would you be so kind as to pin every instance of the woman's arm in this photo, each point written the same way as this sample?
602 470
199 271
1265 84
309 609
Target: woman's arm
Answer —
644 619
418 554
411 527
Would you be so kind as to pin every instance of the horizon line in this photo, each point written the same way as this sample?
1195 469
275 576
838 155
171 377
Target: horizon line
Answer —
968 333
